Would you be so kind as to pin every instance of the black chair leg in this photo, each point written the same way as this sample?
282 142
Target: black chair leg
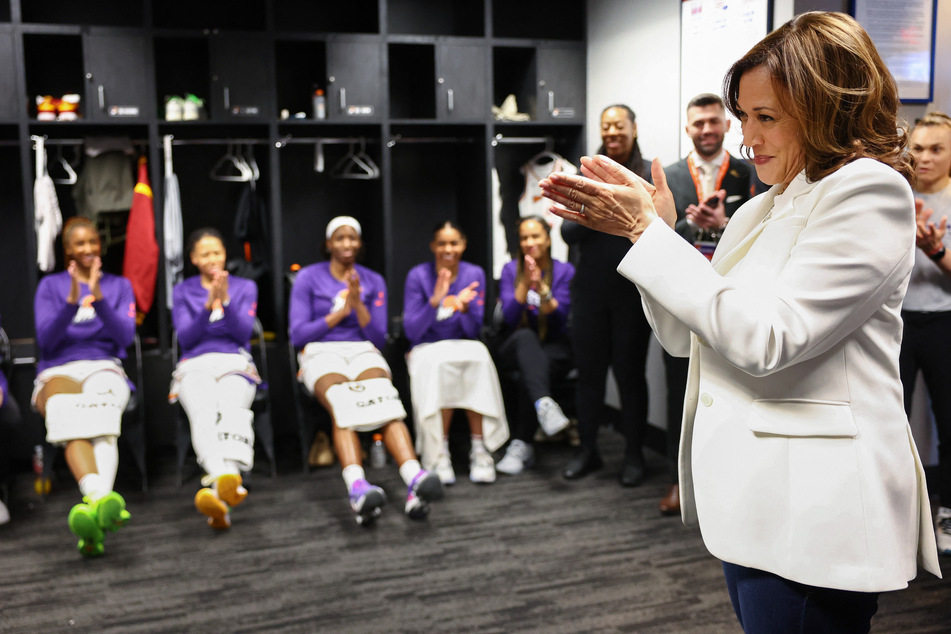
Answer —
264 432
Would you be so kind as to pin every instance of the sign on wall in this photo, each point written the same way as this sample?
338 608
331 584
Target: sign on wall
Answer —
713 35
904 34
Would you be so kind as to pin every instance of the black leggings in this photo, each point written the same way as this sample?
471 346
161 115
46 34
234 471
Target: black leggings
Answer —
676 372
538 364
926 346
9 428
609 329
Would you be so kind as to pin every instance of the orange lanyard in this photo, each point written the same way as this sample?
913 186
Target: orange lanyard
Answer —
695 175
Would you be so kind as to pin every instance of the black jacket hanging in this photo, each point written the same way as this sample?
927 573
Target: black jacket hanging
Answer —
250 230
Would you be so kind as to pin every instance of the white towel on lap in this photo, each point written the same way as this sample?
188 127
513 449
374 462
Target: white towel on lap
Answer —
365 405
454 374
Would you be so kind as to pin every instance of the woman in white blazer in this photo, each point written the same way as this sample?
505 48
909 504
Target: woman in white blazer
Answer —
796 457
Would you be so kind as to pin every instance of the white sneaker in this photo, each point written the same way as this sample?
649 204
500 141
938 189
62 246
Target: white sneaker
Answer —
481 467
550 416
174 108
191 107
519 456
4 513
443 469
943 530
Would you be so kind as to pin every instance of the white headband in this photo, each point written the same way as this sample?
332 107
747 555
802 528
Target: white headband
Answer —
343 221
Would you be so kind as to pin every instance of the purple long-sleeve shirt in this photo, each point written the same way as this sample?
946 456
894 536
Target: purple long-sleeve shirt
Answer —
561 276
229 332
88 330
317 293
424 324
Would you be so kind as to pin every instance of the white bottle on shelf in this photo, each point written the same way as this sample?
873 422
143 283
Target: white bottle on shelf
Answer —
320 104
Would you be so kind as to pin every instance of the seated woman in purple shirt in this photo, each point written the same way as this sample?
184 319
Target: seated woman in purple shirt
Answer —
338 322
535 293
85 320
215 379
9 427
449 368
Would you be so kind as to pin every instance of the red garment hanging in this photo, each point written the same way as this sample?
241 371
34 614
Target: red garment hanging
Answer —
140 262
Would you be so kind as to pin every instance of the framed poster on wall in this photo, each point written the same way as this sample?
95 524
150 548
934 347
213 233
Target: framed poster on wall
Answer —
904 33
713 35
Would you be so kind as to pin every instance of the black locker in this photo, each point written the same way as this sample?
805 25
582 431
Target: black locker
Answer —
561 84
242 69
9 96
355 78
119 77
461 79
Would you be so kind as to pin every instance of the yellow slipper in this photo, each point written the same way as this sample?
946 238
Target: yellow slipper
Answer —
208 503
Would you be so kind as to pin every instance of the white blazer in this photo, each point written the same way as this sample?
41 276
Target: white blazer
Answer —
796 456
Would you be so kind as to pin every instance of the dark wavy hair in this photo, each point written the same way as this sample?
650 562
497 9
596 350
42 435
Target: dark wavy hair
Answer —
830 78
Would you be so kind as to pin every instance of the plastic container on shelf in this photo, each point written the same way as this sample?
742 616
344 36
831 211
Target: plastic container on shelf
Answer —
320 104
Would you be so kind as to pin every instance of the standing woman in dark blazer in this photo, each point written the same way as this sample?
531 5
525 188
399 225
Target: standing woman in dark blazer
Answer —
609 327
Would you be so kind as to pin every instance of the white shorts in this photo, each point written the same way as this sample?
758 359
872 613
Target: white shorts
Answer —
78 371
349 358
218 365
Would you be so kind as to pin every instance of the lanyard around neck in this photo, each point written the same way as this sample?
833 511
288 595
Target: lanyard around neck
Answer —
695 175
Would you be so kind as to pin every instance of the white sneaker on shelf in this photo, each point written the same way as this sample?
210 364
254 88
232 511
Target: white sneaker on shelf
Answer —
550 416
443 469
174 108
68 107
519 456
481 467
943 530
191 107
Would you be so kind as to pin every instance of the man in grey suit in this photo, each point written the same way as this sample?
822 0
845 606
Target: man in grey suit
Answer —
708 186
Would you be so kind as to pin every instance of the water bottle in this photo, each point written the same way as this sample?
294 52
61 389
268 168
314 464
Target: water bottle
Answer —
38 459
41 484
377 452
320 104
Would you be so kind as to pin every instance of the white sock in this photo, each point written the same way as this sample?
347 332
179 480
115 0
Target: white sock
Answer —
93 486
477 444
106 451
445 445
409 469
353 473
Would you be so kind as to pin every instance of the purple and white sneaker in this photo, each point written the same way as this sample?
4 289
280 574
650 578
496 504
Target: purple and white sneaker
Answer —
425 488
367 501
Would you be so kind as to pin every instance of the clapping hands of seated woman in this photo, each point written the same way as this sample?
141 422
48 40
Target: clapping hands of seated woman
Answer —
534 273
611 198
353 289
441 289
218 291
466 295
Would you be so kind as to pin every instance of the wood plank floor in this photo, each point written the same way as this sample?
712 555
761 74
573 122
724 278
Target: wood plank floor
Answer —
532 553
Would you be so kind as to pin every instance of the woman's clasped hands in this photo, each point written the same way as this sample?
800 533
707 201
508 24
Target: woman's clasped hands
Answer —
610 198
218 291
